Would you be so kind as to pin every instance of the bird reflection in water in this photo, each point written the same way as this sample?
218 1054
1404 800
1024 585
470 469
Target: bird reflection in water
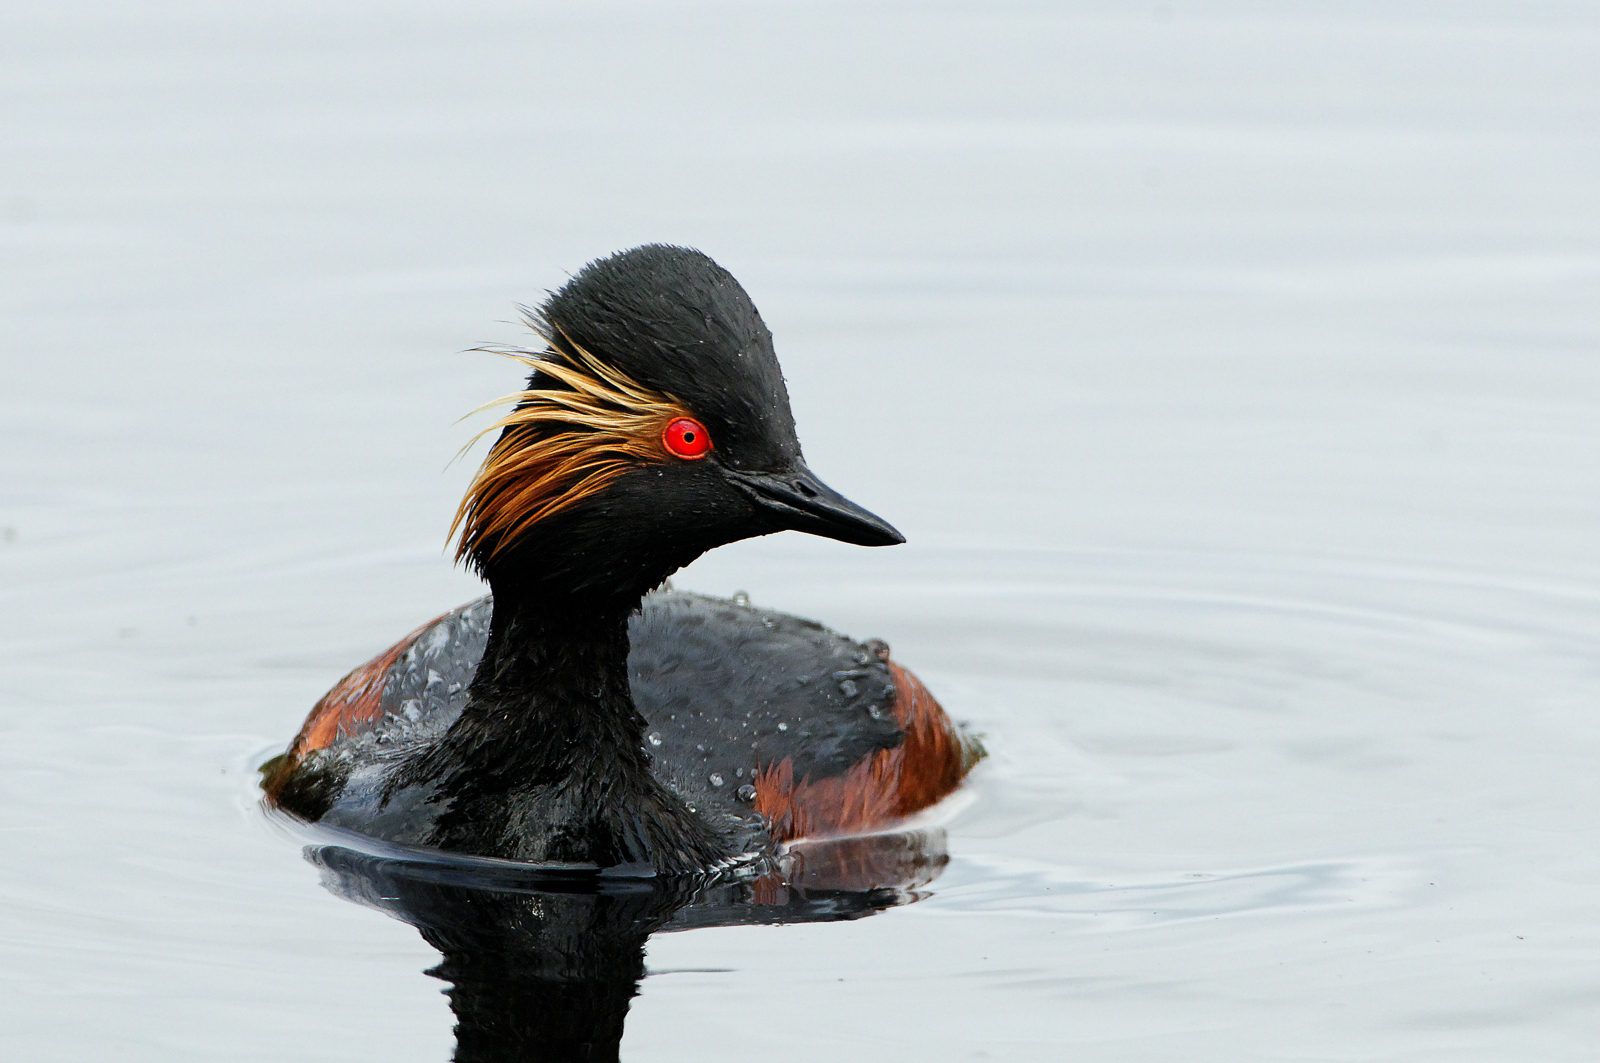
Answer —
543 964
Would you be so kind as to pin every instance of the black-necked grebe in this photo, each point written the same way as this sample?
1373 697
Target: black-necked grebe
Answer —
577 717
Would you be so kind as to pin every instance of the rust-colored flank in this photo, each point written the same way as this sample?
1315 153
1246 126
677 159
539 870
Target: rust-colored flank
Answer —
888 785
353 705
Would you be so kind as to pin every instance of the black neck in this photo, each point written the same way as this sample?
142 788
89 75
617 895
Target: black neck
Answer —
546 762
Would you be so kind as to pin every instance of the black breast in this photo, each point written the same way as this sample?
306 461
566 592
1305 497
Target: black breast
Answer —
726 689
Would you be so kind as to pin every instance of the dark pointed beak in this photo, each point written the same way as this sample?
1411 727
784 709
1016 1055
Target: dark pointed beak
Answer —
796 499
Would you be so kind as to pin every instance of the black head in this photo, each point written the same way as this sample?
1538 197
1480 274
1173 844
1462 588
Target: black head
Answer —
655 427
675 321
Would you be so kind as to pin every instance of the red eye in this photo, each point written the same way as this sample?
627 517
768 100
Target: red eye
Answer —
687 438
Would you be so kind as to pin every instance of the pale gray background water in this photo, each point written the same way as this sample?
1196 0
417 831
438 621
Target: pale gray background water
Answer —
1231 367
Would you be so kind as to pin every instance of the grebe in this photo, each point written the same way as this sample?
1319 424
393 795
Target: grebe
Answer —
578 716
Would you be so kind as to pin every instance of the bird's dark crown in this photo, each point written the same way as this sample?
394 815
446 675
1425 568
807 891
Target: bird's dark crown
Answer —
672 319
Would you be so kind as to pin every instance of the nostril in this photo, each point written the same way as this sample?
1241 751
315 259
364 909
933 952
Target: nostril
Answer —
805 489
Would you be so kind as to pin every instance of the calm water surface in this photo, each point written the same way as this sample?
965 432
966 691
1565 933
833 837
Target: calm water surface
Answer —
1234 371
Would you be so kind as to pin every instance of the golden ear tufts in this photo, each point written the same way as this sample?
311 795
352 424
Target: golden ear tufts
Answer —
559 446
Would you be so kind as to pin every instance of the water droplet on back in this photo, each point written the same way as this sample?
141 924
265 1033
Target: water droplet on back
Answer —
654 738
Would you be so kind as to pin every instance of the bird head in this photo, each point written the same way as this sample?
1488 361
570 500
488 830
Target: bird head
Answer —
655 426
